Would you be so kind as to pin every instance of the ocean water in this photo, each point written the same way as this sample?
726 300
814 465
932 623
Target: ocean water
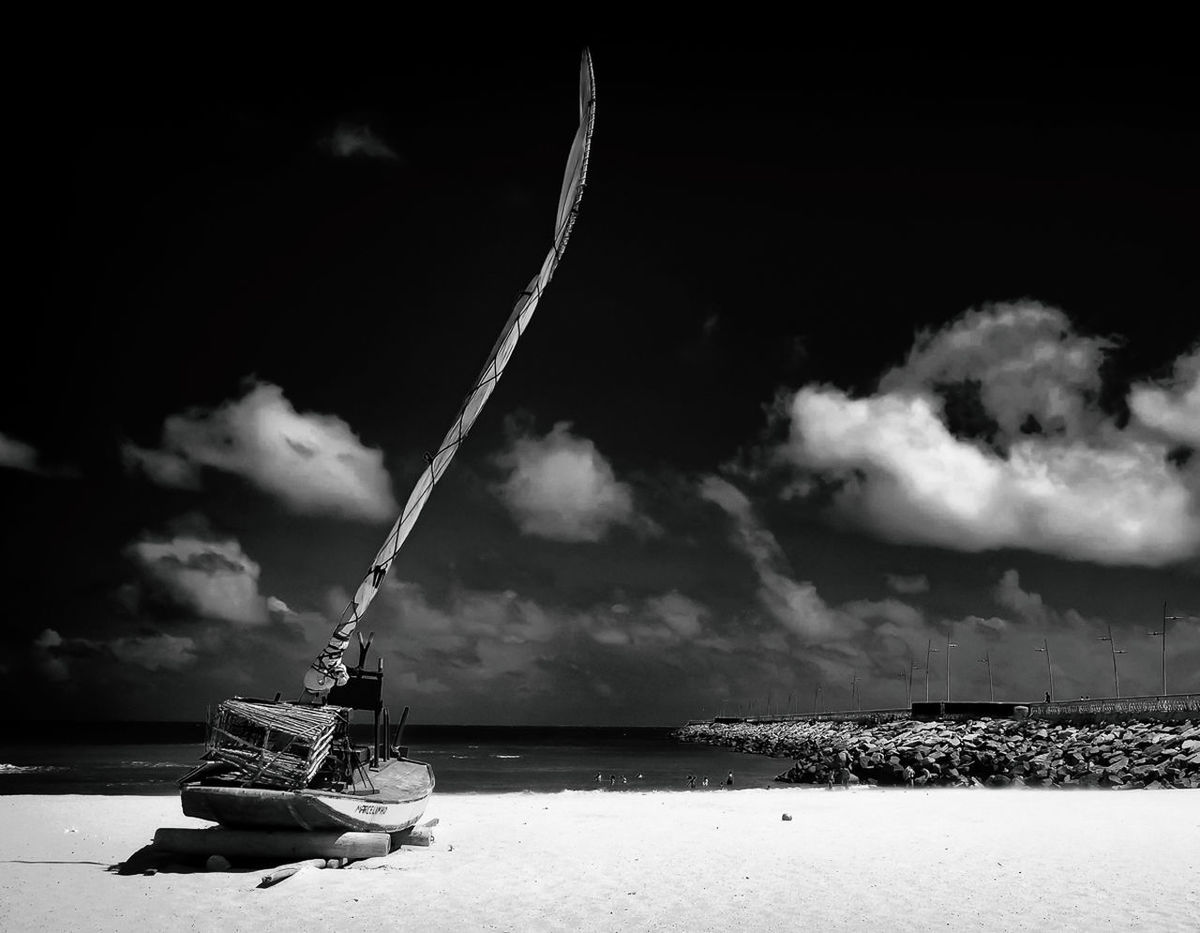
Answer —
148 758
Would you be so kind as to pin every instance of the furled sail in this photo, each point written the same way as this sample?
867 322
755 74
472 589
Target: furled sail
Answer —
328 668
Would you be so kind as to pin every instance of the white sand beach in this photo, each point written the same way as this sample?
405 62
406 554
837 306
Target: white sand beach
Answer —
717 860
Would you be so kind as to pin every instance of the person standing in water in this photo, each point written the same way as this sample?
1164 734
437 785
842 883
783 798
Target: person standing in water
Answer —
729 780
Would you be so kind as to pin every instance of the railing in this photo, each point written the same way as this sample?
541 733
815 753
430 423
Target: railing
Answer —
828 716
1158 706
1172 706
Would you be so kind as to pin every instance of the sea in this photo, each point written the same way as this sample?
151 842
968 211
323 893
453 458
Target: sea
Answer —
150 757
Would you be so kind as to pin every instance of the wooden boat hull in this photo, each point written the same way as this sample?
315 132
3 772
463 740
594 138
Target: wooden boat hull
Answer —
401 790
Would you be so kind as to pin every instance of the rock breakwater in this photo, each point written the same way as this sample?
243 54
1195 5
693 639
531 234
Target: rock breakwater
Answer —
991 752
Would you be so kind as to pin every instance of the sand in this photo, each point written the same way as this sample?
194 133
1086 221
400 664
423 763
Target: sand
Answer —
952 859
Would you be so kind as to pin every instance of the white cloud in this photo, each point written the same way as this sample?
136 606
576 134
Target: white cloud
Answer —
162 467
17 455
357 139
48 639
561 487
991 624
1027 359
908 586
1172 409
216 579
668 619
313 463
1078 486
908 478
679 613
1026 605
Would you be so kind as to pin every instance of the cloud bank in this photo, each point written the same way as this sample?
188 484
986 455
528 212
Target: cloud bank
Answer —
561 487
1058 475
54 655
312 463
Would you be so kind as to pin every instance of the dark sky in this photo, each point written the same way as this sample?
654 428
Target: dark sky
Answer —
855 345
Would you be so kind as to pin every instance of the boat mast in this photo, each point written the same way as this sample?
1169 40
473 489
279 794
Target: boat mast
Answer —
328 668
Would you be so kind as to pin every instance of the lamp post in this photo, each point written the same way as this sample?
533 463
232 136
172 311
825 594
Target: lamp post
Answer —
949 645
1113 645
854 691
987 659
1163 634
929 649
908 681
1049 670
816 698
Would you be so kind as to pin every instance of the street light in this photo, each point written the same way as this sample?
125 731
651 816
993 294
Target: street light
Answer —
908 681
1049 670
987 659
816 698
854 691
1113 645
949 645
929 649
1163 633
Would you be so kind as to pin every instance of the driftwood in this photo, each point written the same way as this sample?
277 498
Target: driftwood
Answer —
286 871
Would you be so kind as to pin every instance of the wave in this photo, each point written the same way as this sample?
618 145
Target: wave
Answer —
506 756
29 769
152 764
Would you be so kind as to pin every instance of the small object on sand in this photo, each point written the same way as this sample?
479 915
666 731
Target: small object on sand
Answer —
787 818
286 871
150 872
216 863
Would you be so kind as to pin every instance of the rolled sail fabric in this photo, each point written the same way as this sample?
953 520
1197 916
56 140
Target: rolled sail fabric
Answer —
328 668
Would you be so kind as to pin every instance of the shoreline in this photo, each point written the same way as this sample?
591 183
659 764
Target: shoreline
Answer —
909 858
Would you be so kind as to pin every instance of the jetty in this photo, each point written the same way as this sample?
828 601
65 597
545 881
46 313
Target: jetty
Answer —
1122 743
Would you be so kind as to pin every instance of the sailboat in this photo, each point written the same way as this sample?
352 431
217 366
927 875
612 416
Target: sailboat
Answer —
294 765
